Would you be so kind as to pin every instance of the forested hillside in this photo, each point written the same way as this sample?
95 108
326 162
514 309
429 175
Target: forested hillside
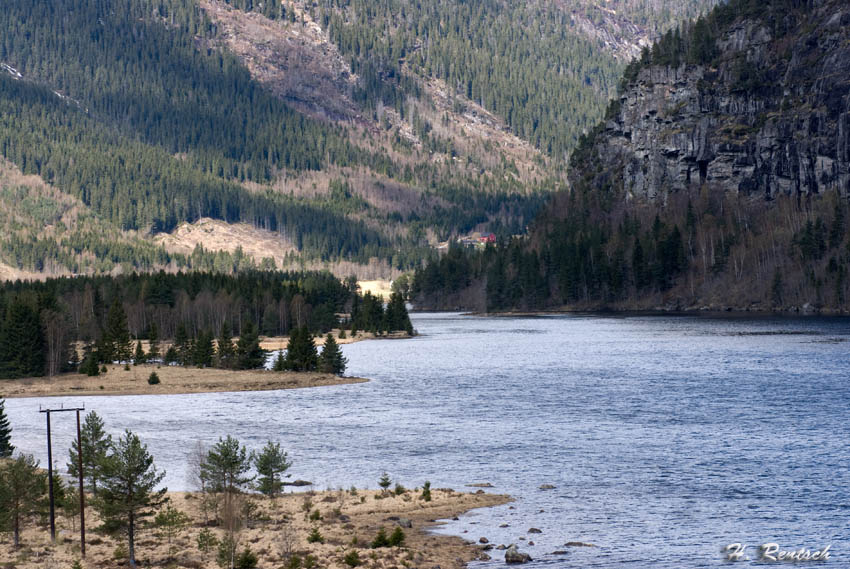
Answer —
719 180
443 118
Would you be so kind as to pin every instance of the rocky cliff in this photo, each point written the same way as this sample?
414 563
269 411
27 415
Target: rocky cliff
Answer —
768 115
719 179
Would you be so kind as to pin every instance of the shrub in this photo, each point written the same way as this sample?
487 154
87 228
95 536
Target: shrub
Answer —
120 553
206 541
397 537
247 559
226 551
310 561
352 559
315 536
381 539
426 492
399 489
315 516
153 379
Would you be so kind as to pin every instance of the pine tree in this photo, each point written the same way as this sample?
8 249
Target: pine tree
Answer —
6 448
271 463
332 360
225 351
226 466
153 342
96 444
116 337
139 357
249 354
128 493
22 488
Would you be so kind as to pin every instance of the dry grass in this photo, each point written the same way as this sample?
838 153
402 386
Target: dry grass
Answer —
348 523
216 235
174 379
381 288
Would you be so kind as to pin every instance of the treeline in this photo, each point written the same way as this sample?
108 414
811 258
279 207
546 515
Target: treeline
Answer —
200 313
583 255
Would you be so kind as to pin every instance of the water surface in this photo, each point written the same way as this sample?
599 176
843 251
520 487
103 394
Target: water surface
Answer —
666 438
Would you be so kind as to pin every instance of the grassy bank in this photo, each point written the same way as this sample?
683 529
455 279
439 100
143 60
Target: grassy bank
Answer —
347 520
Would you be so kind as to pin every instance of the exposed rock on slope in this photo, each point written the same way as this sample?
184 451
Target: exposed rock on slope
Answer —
771 117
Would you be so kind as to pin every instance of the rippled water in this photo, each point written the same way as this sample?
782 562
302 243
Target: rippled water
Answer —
666 438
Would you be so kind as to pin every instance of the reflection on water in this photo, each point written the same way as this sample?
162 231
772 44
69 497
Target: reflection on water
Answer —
666 438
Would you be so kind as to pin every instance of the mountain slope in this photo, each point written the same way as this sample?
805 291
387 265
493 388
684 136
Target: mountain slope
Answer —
357 132
719 179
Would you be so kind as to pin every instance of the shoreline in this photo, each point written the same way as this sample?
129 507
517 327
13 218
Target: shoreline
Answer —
175 380
625 313
348 521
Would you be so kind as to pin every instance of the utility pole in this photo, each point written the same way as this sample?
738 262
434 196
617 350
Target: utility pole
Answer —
82 491
47 413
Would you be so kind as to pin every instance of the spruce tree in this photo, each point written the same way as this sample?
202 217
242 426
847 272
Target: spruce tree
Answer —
182 345
128 493
139 357
22 346
332 360
90 366
225 467
6 447
249 354
280 361
301 353
203 350
116 337
271 463
225 350
153 342
96 444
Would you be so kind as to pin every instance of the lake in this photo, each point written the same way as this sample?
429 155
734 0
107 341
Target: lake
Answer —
666 437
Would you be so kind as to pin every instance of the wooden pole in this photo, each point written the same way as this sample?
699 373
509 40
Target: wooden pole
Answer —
82 491
47 412
50 481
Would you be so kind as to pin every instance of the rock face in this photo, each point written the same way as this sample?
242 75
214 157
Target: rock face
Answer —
513 555
771 116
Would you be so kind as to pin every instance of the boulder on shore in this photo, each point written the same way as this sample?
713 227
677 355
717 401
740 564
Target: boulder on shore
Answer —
513 555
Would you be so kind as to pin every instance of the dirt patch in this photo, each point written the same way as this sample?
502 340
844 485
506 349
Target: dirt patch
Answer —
348 521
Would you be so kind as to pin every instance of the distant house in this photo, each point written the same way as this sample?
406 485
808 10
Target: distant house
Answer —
487 238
